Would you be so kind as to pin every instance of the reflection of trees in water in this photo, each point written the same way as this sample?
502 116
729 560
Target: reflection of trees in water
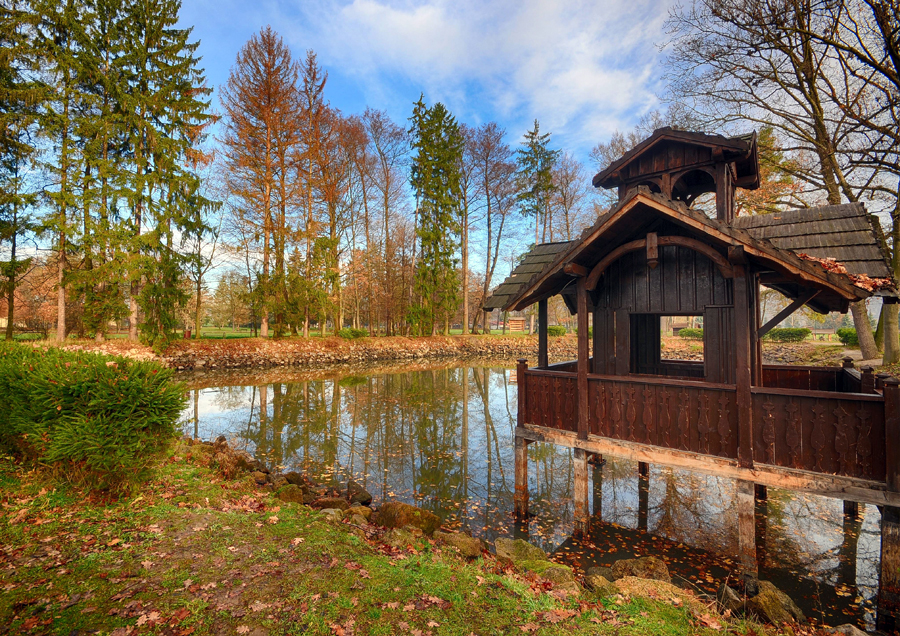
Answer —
812 534
426 437
444 439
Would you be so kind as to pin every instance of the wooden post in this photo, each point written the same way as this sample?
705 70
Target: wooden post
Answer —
543 342
746 506
643 494
851 509
892 433
889 578
521 494
583 354
760 492
868 380
521 367
847 362
879 380
582 508
742 367
597 486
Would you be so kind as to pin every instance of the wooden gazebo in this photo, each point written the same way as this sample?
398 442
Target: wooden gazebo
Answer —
828 430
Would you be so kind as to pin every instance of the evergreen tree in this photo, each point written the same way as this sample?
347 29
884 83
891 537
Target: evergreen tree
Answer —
535 173
60 40
20 95
435 176
164 113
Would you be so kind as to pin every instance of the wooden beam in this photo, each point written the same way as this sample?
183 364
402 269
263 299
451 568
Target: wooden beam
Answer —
583 358
825 485
652 250
574 269
543 341
744 400
746 507
787 311
892 432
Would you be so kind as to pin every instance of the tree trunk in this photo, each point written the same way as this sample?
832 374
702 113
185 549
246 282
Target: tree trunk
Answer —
863 330
891 343
879 329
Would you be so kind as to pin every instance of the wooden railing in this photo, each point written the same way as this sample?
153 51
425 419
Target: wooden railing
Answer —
839 434
678 414
825 431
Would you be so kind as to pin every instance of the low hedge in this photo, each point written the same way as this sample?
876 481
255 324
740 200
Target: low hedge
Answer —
690 333
788 334
847 336
94 420
352 333
556 330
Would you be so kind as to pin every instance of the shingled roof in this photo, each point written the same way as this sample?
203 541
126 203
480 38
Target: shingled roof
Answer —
534 263
846 233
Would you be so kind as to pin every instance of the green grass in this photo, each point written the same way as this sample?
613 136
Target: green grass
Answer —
194 554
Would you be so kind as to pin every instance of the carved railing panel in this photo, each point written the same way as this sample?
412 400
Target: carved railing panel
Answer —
839 434
551 399
684 416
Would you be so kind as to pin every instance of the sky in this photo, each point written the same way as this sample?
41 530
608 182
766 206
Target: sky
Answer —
583 69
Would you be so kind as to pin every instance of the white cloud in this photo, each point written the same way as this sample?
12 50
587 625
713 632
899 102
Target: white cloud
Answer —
582 68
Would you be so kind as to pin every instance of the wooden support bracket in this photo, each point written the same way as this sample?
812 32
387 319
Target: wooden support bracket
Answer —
574 269
787 311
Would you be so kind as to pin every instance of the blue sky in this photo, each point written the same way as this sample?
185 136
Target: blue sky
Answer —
583 69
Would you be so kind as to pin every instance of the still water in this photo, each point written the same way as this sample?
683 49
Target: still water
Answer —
442 438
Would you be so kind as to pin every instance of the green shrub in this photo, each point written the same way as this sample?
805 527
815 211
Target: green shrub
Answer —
556 330
847 336
94 420
690 333
26 337
590 332
788 334
351 333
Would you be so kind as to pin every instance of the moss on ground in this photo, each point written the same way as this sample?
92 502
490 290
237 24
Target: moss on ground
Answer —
191 553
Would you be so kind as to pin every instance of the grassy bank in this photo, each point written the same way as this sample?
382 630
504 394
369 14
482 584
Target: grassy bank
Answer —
192 553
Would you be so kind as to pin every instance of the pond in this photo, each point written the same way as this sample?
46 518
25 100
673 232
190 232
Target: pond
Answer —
442 438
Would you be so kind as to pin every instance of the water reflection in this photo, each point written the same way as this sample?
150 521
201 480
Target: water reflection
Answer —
442 439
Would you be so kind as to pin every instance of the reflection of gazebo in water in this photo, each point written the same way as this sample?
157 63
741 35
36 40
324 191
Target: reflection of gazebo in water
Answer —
826 430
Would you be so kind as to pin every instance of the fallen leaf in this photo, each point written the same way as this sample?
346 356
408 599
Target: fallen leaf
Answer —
243 629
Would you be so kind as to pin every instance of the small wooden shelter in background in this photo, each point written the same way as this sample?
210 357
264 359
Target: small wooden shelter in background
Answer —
828 430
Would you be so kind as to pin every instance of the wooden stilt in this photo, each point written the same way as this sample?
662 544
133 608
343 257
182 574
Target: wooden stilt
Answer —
889 579
761 519
747 530
851 509
643 494
597 486
582 507
521 494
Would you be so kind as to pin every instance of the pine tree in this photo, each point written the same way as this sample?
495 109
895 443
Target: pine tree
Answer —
60 39
435 176
535 162
20 96
164 113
